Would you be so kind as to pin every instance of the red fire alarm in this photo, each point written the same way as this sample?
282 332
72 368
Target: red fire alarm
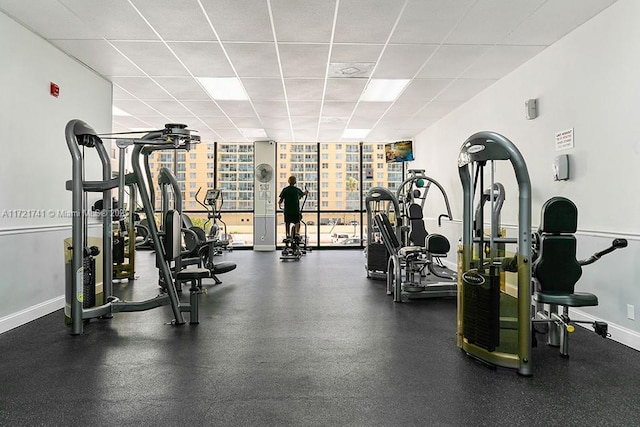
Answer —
54 89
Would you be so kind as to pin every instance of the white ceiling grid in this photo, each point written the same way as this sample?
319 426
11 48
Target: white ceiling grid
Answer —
282 51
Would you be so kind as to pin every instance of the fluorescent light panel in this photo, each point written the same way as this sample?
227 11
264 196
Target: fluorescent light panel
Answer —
224 88
355 133
383 90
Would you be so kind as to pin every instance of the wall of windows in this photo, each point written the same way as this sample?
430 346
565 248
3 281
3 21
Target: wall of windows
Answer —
337 175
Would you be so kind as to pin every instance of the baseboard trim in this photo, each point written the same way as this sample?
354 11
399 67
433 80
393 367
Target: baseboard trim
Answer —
620 334
29 314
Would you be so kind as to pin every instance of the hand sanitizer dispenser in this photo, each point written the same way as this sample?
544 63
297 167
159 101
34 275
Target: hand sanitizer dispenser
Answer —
561 168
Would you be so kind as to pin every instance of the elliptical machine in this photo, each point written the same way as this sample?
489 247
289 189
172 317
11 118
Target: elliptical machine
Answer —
295 244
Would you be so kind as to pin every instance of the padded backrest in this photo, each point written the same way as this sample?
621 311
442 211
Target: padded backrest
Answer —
388 234
437 244
172 237
417 230
556 269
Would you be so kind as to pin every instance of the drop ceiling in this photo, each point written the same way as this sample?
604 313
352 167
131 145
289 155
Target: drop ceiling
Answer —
303 64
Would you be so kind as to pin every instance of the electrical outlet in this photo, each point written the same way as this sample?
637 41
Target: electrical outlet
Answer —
631 312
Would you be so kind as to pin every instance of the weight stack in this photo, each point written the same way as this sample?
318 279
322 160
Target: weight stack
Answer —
89 282
481 317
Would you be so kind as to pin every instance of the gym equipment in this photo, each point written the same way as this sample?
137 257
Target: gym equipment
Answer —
79 134
200 250
378 200
295 244
556 272
493 324
213 201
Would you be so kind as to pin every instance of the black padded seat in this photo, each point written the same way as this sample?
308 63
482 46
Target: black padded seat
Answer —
193 274
437 245
223 267
576 299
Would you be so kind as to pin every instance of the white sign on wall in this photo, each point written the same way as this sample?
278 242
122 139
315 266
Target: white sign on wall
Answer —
564 139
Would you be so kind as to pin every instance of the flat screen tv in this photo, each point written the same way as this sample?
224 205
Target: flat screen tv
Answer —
400 151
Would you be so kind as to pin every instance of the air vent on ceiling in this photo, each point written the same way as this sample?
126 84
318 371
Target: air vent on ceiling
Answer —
350 70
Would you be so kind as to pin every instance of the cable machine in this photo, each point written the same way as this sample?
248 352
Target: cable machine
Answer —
493 324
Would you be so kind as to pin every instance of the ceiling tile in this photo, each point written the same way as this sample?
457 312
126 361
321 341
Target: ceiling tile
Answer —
168 108
337 108
359 122
183 20
203 59
371 110
276 123
240 20
100 56
500 60
450 61
113 20
463 90
333 122
247 122
231 135
271 108
135 107
356 52
490 21
304 108
402 61
203 108
366 21
429 21
280 135
304 89
119 93
304 123
304 60
141 87
344 89
217 123
130 123
400 111
303 20
253 59
421 91
152 57
263 89
183 88
237 108
436 109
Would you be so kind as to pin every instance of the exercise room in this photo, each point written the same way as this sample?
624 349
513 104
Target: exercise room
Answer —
319 213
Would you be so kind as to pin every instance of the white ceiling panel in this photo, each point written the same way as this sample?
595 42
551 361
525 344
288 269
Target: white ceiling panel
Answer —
344 89
264 89
237 108
337 108
113 19
217 123
500 60
254 59
554 19
304 60
463 89
100 56
451 61
450 50
203 59
279 134
152 57
203 108
402 61
185 88
169 108
490 21
304 89
276 123
131 123
271 108
356 52
366 21
176 20
304 108
51 21
240 20
421 91
231 135
429 21
303 20
141 87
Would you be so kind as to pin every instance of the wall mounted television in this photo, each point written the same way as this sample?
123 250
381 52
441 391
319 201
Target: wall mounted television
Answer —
400 151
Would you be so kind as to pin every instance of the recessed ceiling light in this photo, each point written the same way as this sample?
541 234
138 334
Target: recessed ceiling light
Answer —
355 133
253 132
383 90
224 88
118 112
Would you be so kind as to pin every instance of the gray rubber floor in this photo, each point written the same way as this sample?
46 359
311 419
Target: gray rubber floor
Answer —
308 343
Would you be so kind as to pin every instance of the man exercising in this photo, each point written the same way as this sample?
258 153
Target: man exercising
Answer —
291 196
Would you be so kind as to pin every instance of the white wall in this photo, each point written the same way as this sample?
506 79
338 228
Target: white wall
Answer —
34 165
587 81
